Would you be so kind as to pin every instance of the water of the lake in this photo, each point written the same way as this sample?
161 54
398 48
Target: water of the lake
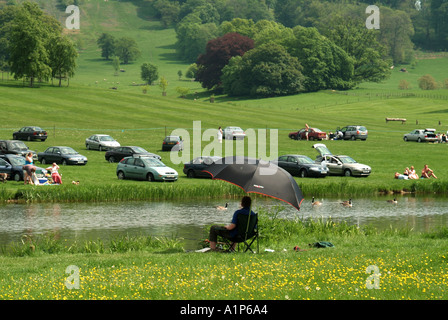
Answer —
188 220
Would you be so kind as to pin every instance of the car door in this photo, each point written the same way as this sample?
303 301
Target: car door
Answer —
293 166
334 165
5 167
139 169
282 162
413 136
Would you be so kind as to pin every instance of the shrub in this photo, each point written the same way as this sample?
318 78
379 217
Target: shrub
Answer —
404 85
427 82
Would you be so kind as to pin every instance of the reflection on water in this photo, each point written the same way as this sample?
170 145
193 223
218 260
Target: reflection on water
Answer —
78 221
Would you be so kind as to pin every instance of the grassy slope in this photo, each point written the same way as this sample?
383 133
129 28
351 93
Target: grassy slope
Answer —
87 106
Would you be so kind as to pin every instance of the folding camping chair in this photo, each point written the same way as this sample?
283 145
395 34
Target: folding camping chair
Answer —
247 231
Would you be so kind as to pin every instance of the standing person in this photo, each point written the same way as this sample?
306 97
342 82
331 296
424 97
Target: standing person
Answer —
231 230
27 169
219 134
307 129
55 174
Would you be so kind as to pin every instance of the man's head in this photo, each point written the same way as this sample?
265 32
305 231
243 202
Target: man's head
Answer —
246 202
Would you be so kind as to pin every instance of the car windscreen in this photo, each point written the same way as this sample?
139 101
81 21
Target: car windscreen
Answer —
316 130
152 162
347 160
305 160
17 161
139 150
18 145
106 138
68 151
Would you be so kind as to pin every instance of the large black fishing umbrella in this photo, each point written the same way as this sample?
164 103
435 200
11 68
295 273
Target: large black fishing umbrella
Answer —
258 176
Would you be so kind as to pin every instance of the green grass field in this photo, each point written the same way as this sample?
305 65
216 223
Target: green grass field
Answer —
71 113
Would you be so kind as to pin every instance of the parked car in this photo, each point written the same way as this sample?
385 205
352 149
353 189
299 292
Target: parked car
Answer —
118 153
61 154
13 165
195 167
172 143
302 166
233 133
145 168
340 164
313 134
15 147
30 133
354 132
421 135
101 142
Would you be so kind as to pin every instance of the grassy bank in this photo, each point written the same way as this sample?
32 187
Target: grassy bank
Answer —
408 266
341 187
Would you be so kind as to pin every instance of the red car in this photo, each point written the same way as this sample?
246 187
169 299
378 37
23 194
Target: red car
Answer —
313 134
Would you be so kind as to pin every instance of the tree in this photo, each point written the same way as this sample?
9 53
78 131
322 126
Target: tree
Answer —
218 53
31 30
107 44
163 85
362 45
266 71
325 65
191 71
62 57
192 37
127 49
116 64
149 73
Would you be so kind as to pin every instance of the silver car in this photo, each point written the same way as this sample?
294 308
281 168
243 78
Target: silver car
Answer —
340 164
233 133
101 142
421 135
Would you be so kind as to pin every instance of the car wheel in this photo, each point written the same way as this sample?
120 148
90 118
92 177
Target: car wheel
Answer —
111 159
150 177
419 140
303 173
190 174
310 138
14 137
87 146
43 161
347 173
100 148
64 162
405 139
121 175
28 138
353 138
17 177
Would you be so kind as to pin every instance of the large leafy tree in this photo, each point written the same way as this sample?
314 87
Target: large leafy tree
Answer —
218 53
62 55
127 49
31 30
362 45
325 65
266 71
107 44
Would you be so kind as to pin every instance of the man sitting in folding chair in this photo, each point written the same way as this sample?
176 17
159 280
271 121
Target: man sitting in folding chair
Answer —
241 229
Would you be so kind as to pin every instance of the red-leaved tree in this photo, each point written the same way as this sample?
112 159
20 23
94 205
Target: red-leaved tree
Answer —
217 55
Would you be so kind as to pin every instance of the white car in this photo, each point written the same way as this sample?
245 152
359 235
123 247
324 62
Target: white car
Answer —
101 142
233 133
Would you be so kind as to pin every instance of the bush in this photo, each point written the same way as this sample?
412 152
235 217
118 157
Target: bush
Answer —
404 85
427 82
